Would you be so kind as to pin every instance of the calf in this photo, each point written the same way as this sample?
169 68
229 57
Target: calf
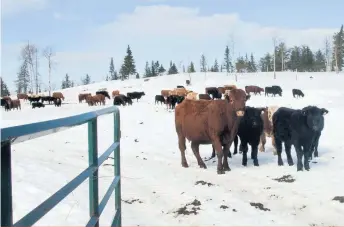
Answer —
249 132
159 98
37 104
187 82
119 100
298 93
135 95
254 89
172 100
268 129
300 128
57 102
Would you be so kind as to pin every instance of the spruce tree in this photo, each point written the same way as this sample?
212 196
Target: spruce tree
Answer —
216 66
153 70
113 75
191 68
319 62
227 59
128 66
162 69
86 80
4 88
203 64
173 69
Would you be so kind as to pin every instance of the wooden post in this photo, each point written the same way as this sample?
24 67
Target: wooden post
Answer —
6 185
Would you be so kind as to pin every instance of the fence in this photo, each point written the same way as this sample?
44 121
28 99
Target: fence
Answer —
17 134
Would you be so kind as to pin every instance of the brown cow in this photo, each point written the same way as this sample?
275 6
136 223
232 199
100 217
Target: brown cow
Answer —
83 97
179 91
204 97
114 93
22 96
15 104
89 100
165 93
58 95
229 87
192 96
209 122
99 99
7 98
254 89
268 126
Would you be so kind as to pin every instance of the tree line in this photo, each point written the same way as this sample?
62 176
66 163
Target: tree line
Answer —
283 58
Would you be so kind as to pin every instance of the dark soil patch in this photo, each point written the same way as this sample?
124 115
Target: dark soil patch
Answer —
339 198
285 178
267 188
203 183
259 206
190 208
224 207
132 201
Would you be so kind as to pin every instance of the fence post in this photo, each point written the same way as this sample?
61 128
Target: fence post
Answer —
93 162
6 184
117 159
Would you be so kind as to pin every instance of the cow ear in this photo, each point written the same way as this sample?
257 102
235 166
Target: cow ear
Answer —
324 111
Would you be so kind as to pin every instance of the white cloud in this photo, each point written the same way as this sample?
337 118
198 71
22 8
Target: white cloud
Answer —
167 33
64 17
9 7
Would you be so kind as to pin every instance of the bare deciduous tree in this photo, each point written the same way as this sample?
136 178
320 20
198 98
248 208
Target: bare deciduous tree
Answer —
48 53
328 54
29 54
274 39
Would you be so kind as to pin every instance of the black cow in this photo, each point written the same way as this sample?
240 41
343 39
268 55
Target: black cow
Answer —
6 103
214 93
105 93
187 82
119 100
274 90
135 95
37 104
48 99
3 102
180 86
250 128
57 102
159 98
299 128
34 99
128 100
297 93
172 100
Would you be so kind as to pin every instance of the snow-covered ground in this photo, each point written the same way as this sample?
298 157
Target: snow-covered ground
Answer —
154 184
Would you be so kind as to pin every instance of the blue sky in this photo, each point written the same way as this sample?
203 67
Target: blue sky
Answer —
85 34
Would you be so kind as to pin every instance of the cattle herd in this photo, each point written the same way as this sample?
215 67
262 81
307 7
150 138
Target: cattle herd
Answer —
220 117
209 119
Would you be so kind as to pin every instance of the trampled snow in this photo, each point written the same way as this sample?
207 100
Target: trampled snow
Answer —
155 185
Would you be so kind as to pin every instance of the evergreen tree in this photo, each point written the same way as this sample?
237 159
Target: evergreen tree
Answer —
203 63
157 67
4 88
23 78
128 67
86 80
240 65
216 66
153 69
173 69
319 62
191 68
113 75
252 67
148 72
66 83
162 69
295 59
338 50
228 60
266 63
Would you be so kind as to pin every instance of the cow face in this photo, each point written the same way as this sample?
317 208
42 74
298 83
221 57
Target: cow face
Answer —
254 116
237 99
314 117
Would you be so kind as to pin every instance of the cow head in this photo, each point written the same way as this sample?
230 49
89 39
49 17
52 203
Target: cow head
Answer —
254 116
314 117
237 99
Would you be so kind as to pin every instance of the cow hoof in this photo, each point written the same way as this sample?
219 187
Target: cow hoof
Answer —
280 163
185 165
290 163
220 171
226 169
299 169
244 164
255 163
203 166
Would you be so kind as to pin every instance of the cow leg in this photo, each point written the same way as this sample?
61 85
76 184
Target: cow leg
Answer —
226 152
306 154
299 154
315 145
218 148
254 154
235 145
195 149
279 151
182 148
287 147
244 154
273 143
262 142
